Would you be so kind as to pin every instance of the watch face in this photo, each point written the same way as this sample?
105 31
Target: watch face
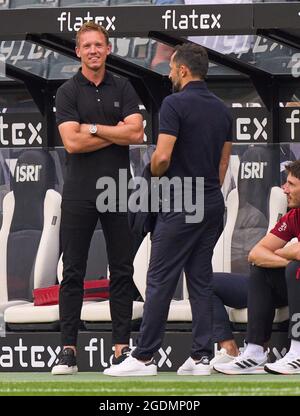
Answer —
93 128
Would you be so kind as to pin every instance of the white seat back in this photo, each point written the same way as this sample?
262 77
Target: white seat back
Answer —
221 260
141 264
277 206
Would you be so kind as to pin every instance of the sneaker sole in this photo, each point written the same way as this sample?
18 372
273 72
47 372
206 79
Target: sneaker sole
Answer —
64 372
129 374
193 373
244 372
284 373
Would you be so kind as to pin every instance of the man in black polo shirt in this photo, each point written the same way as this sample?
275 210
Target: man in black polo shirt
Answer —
194 142
98 117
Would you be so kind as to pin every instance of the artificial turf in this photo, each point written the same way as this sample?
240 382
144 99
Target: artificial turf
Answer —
165 384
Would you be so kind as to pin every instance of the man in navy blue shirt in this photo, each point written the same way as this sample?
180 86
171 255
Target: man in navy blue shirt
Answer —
193 143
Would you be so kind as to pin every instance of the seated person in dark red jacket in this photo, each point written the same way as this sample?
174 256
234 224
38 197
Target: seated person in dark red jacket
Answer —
274 282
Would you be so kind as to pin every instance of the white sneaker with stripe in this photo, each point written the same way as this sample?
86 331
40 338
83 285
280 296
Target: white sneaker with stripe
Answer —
289 364
243 364
221 357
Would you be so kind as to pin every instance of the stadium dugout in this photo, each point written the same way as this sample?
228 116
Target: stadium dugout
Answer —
254 67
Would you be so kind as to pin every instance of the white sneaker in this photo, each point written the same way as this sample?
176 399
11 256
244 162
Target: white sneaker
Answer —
66 364
242 365
289 364
221 357
195 368
132 367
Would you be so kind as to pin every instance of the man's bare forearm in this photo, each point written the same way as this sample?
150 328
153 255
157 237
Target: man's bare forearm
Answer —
159 165
264 257
123 134
291 252
85 142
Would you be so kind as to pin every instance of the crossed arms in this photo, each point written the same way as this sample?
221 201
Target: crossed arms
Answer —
77 138
272 252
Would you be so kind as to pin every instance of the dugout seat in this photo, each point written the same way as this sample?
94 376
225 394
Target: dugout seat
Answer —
24 4
97 313
128 2
82 3
250 209
180 310
29 236
277 208
94 313
4 4
4 181
62 70
253 208
47 316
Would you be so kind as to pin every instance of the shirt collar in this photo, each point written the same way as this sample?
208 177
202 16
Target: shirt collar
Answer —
84 81
195 84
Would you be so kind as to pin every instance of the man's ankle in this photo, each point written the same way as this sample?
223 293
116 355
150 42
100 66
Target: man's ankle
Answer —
230 347
72 347
119 348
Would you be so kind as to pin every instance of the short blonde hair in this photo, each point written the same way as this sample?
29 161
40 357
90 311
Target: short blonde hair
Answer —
91 26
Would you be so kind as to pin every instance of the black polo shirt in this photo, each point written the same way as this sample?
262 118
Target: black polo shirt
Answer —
202 123
80 100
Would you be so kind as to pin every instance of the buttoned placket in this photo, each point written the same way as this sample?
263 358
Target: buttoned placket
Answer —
98 95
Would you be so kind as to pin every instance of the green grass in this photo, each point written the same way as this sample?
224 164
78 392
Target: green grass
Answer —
96 384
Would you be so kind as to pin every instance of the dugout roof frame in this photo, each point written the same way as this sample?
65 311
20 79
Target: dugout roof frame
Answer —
55 28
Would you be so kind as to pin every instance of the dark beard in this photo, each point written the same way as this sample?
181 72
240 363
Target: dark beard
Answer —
175 87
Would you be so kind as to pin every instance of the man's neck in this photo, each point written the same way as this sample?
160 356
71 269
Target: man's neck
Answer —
186 80
95 77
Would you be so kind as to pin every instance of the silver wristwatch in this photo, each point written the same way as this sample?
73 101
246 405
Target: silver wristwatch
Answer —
93 128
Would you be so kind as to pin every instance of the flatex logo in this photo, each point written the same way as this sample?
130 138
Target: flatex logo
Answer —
253 170
97 353
164 354
34 356
247 128
68 22
174 20
293 120
28 173
16 134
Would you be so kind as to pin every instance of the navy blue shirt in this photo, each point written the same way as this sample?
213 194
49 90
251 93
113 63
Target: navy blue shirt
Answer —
202 124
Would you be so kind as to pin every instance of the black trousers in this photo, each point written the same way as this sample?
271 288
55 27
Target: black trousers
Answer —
178 245
270 289
78 221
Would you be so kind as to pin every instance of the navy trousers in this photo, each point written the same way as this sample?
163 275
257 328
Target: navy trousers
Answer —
230 289
177 245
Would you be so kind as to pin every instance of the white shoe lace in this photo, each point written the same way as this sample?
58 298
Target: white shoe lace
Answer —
242 356
221 352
